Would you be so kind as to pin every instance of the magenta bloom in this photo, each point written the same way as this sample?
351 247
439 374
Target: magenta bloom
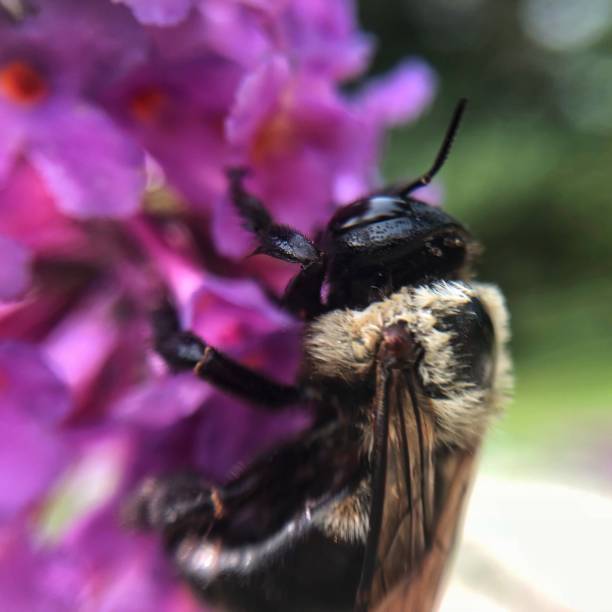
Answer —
15 273
320 36
298 135
51 64
118 123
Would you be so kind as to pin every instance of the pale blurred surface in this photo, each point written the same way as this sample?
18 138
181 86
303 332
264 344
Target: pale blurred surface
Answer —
533 545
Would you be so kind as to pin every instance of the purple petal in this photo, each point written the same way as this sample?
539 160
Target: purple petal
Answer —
231 238
29 386
80 346
277 354
231 433
398 96
122 570
257 97
14 269
192 155
160 12
32 402
230 313
28 214
89 164
53 581
178 120
227 24
11 141
30 459
433 194
309 139
161 403
105 42
298 187
325 38
102 567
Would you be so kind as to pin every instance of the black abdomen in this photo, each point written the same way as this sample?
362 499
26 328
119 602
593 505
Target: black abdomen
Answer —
315 575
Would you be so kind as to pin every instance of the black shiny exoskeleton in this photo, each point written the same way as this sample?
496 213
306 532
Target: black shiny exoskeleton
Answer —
252 544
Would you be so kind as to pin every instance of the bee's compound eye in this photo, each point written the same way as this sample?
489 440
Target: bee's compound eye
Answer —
368 211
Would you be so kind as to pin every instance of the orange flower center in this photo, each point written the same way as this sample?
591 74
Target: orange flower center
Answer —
275 136
146 103
21 83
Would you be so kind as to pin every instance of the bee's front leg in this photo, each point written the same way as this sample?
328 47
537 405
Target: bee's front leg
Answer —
183 350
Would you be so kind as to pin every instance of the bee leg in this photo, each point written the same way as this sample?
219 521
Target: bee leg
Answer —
303 473
168 504
273 501
303 295
183 350
278 241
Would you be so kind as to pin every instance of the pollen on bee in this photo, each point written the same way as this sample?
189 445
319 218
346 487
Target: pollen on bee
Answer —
21 83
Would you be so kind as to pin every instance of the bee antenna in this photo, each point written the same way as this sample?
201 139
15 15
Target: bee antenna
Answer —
443 152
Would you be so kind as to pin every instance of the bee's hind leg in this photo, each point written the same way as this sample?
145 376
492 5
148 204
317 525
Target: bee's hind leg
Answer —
319 462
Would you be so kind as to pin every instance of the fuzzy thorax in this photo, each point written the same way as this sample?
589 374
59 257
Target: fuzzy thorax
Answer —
344 344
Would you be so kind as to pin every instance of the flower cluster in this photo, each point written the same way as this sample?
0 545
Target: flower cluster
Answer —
118 121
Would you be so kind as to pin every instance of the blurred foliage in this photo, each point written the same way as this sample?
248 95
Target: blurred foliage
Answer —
530 175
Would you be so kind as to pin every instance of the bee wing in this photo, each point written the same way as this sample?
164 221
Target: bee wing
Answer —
420 502
406 526
419 589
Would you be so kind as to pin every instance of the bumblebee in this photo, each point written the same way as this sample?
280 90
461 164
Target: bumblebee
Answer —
405 365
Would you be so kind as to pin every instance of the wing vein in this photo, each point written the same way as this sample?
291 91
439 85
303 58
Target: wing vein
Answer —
425 456
404 450
379 475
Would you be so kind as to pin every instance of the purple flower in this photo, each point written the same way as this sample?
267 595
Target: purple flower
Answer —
324 38
28 214
33 403
234 316
275 108
160 12
95 98
309 147
47 80
170 108
318 35
15 271
81 401
97 567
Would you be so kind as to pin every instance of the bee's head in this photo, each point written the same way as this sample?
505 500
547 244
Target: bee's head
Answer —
381 243
388 242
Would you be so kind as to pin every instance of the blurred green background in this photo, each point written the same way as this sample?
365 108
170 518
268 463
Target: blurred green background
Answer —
531 175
